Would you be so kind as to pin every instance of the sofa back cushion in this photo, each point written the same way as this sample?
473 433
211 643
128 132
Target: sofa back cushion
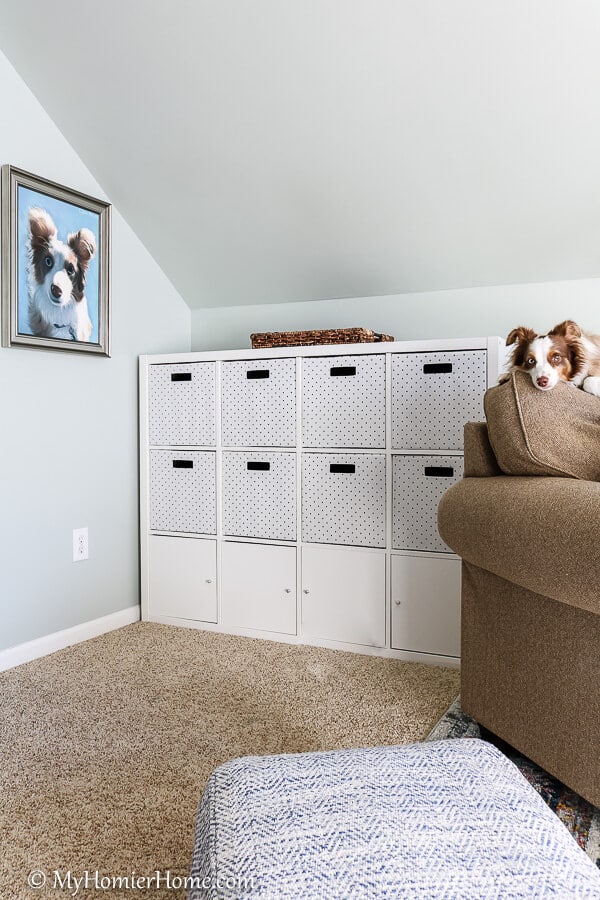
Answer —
536 432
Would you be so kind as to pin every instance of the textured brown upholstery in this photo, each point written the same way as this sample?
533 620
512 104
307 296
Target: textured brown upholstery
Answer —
530 673
531 593
479 456
541 533
544 433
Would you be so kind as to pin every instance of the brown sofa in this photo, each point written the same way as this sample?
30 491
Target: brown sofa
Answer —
526 521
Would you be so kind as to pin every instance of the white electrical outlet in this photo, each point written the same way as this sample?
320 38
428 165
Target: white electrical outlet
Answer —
80 544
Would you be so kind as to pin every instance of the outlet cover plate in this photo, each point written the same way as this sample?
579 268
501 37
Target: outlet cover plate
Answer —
80 544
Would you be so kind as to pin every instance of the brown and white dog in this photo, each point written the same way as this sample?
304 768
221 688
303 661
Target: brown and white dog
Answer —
57 271
564 354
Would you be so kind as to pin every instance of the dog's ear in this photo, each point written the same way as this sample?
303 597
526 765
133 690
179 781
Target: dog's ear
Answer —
83 245
520 335
567 329
571 334
41 228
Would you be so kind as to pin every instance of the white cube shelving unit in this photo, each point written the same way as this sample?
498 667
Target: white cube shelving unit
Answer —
291 494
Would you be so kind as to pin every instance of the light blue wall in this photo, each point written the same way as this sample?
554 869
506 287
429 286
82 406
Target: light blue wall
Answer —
472 312
68 422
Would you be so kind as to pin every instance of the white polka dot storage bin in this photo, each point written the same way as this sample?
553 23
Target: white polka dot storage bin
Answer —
182 404
258 403
343 499
259 495
183 491
433 395
418 483
343 401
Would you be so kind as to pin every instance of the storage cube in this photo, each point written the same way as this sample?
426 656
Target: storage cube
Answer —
418 483
343 499
259 495
258 403
182 491
433 395
182 403
343 401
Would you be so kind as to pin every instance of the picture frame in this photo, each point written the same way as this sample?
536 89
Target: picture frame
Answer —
55 266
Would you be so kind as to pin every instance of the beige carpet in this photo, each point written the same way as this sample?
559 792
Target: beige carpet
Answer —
105 747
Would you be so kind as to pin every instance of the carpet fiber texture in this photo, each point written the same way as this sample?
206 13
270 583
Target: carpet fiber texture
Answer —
106 746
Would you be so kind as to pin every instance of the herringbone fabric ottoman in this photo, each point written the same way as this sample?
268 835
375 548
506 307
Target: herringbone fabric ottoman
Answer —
448 820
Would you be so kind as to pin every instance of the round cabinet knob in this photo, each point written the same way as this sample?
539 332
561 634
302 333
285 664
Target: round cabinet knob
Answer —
288 590
209 580
306 591
398 602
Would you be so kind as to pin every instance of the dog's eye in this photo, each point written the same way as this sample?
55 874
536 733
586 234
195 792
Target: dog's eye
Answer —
556 357
48 262
70 268
530 361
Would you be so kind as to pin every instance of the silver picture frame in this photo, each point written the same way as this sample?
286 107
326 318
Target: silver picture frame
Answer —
24 281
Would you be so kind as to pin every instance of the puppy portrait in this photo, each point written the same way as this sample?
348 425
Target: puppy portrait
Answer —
57 306
55 272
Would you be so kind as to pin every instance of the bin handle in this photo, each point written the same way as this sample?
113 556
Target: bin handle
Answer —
436 368
183 463
342 370
258 466
439 471
258 373
342 467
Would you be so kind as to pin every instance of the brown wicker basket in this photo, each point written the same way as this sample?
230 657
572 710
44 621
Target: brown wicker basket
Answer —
267 339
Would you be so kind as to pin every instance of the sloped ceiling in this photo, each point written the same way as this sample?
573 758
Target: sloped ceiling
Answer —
278 150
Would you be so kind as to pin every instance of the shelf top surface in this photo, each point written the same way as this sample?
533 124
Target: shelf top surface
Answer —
381 347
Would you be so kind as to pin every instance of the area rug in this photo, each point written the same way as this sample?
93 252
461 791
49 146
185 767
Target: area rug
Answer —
580 817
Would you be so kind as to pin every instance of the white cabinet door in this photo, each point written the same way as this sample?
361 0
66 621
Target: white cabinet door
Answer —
426 604
258 587
183 578
343 595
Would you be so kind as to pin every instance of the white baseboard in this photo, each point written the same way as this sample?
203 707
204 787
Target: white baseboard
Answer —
50 643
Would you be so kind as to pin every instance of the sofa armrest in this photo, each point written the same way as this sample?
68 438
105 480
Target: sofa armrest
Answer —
480 460
538 532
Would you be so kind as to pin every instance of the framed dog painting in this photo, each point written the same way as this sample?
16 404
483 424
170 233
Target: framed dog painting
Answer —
55 266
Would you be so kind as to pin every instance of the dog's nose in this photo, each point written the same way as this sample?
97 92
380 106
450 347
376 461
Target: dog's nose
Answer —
56 291
543 380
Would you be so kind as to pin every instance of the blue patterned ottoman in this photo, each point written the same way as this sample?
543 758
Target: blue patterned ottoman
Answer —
450 820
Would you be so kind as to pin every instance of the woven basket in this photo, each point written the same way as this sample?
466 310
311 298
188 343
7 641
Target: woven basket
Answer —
267 339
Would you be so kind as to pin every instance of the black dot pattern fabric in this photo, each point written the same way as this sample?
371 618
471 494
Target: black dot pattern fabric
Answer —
343 508
429 407
343 410
418 483
259 412
257 502
182 410
182 498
